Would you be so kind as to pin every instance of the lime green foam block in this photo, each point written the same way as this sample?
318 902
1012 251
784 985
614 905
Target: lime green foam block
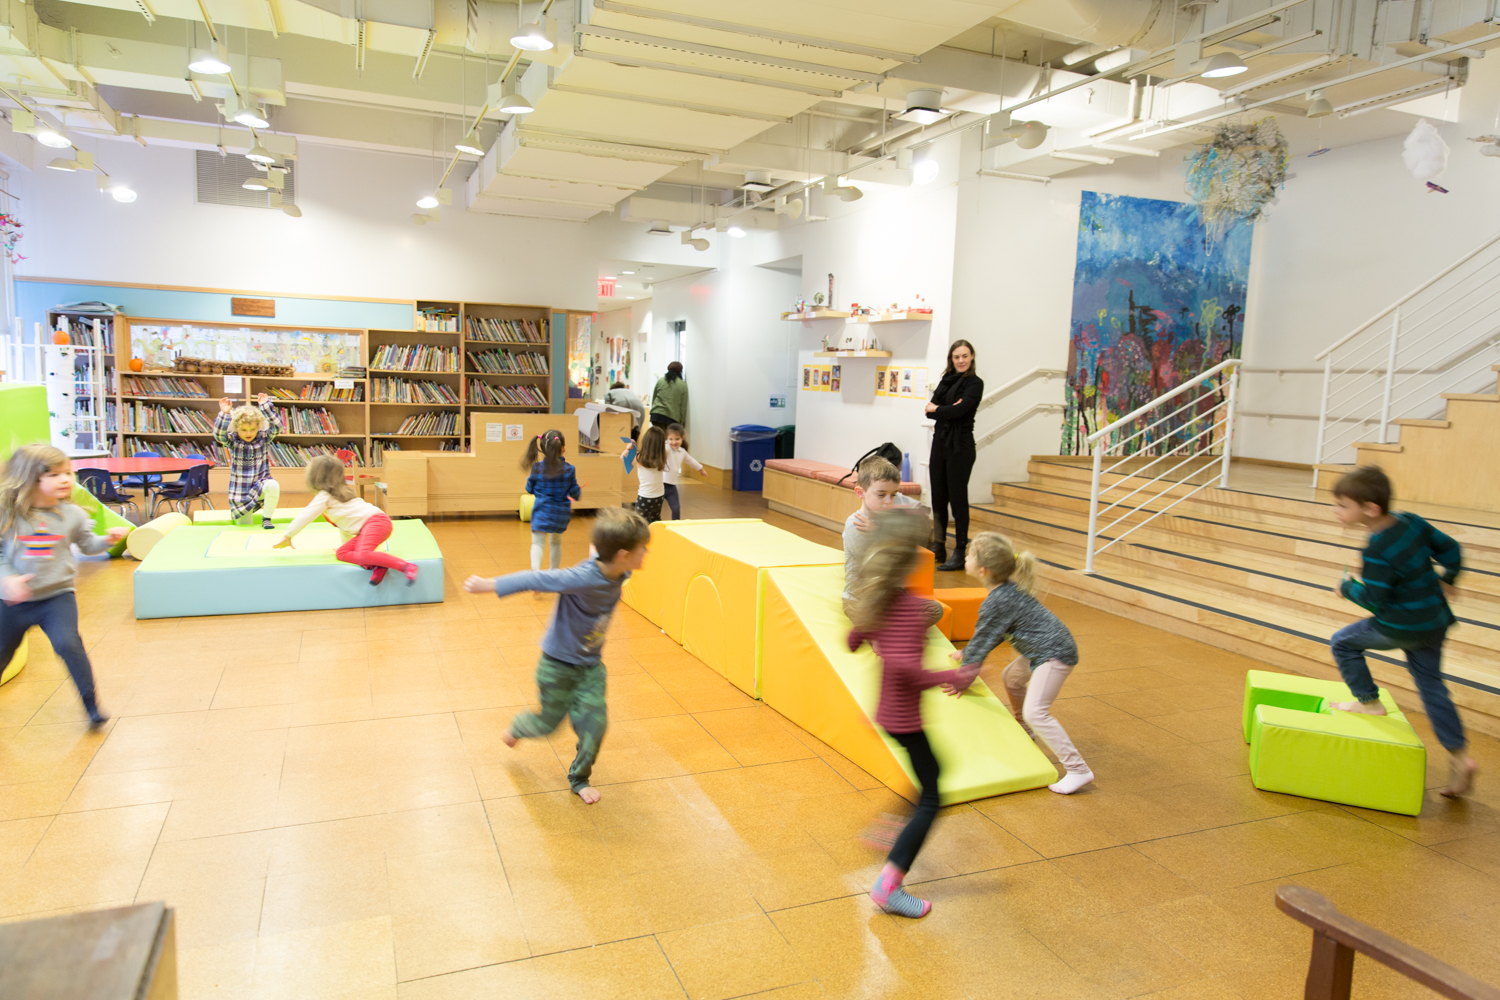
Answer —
283 515
809 676
1300 746
211 570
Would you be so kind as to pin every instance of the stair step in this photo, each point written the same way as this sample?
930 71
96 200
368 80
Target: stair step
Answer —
1411 422
1478 397
1378 446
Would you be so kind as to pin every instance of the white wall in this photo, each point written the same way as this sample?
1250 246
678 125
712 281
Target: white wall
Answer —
633 322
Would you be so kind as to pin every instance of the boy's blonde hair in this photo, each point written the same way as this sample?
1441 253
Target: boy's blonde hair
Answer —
24 469
877 470
997 554
245 416
617 530
325 474
888 561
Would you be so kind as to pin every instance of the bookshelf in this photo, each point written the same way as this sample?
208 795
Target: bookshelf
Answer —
416 383
90 373
507 358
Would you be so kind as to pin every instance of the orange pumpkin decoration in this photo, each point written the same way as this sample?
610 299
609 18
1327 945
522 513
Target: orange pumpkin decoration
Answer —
61 337
136 365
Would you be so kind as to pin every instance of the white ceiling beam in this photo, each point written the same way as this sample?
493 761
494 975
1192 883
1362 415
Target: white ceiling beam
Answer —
754 31
664 102
620 60
737 55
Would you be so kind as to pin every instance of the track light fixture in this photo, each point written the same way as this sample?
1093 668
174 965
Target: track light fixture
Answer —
789 207
122 194
256 183
846 193
210 62
1223 64
51 138
81 161
427 201
698 244
532 38
924 169
260 154
250 113
1320 105
512 103
469 144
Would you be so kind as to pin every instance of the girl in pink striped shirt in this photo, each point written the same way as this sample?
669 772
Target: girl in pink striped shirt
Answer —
895 622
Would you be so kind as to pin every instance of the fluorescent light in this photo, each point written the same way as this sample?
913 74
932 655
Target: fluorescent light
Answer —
256 183
736 232
252 115
627 272
427 201
209 62
512 103
532 38
122 194
467 145
1223 64
47 137
260 154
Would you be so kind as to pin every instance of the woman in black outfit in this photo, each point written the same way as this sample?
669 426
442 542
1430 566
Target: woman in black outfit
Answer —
953 404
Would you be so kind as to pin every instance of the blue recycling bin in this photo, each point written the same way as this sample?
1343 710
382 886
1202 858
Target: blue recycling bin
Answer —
751 447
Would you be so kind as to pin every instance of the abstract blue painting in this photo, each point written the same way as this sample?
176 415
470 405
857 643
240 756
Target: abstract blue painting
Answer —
1154 303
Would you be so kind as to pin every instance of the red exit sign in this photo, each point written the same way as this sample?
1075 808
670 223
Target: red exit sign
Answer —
606 288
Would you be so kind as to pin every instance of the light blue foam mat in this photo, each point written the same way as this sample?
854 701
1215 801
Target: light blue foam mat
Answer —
180 578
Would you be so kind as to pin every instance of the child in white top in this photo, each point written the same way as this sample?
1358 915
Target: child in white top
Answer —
363 524
651 465
677 457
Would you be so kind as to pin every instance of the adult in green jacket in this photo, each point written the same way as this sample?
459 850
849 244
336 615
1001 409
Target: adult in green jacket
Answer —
669 400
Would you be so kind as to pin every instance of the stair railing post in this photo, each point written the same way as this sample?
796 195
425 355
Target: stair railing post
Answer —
1390 376
1322 415
1088 556
1234 381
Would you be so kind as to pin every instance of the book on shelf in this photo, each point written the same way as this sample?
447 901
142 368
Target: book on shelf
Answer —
308 420
154 418
416 358
432 422
285 455
411 390
179 449
503 362
351 371
145 385
318 392
487 394
508 331
437 321
378 448
81 332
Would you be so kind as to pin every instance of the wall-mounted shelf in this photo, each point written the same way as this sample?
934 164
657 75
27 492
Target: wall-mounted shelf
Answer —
817 314
851 354
907 317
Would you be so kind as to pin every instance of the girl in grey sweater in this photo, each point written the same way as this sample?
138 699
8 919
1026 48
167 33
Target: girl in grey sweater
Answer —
39 525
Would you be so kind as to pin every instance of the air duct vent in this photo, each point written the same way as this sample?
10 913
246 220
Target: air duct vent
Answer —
220 179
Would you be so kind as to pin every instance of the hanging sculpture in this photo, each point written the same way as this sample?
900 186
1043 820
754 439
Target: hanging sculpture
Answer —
1425 153
1235 174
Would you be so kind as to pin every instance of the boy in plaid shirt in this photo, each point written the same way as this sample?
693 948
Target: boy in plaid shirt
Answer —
247 432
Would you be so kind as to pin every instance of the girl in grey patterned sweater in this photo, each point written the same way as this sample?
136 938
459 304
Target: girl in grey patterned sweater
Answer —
1048 652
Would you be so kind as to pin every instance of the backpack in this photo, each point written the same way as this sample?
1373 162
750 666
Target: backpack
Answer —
887 451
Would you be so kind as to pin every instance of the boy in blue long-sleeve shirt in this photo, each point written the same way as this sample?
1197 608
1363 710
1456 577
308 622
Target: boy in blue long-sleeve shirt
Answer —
1406 597
570 676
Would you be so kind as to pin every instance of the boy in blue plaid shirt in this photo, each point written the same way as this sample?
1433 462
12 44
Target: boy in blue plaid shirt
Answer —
246 433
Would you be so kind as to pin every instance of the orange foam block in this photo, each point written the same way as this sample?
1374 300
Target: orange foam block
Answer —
965 602
919 581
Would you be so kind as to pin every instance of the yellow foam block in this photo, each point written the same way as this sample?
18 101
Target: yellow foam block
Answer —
16 662
809 676
142 540
315 538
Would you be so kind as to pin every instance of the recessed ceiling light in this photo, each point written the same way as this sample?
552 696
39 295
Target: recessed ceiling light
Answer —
47 137
630 296
627 272
923 107
531 38
611 277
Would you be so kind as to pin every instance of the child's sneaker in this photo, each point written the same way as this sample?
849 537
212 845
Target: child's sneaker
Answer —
265 522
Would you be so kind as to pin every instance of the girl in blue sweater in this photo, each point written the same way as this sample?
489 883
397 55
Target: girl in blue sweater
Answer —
552 482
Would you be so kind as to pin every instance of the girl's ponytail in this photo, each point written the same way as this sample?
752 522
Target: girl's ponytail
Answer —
1003 561
548 445
1024 575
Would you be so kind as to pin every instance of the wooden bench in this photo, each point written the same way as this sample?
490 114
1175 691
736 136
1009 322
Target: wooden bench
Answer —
816 491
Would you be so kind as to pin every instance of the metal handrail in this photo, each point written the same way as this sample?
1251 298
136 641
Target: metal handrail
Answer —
1228 378
995 395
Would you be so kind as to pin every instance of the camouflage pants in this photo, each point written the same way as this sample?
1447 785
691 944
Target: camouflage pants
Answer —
567 689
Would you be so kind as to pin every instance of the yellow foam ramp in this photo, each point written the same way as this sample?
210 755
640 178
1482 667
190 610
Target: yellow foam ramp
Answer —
809 676
703 584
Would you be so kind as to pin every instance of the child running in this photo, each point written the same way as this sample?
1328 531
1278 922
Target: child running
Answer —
552 482
895 622
570 676
651 466
39 525
247 433
677 457
1410 613
1048 652
363 524
878 486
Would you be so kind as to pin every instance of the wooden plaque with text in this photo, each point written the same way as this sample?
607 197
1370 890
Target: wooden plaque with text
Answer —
253 307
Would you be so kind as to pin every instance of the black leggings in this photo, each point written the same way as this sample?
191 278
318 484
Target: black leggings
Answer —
949 472
926 767
58 617
670 496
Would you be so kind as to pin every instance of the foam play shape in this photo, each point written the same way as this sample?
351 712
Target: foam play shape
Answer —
142 540
919 581
809 676
283 515
965 602
665 570
945 623
710 599
528 501
16 662
1299 746
244 576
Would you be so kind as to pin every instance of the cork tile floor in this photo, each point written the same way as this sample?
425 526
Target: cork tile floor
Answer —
325 800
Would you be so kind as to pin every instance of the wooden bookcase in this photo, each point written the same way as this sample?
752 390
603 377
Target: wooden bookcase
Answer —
504 333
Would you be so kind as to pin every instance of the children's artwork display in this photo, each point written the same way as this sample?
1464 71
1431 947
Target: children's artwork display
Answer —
1155 301
904 383
307 351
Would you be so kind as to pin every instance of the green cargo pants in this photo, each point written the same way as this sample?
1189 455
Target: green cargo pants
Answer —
568 689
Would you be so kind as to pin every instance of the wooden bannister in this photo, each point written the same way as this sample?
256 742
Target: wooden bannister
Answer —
1337 936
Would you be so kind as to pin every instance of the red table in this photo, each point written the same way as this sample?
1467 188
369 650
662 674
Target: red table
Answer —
140 466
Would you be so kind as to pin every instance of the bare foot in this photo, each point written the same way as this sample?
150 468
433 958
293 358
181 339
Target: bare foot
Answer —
509 739
588 794
1461 775
1359 707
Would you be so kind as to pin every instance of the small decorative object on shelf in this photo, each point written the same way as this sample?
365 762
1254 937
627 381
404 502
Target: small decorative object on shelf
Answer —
207 367
818 298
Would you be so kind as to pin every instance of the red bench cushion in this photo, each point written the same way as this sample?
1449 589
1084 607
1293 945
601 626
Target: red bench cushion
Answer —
836 474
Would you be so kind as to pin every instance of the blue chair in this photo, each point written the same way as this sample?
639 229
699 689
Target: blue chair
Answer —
97 482
146 482
191 485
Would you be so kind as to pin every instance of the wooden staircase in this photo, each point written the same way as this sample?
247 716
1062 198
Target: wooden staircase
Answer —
1248 572
1436 460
